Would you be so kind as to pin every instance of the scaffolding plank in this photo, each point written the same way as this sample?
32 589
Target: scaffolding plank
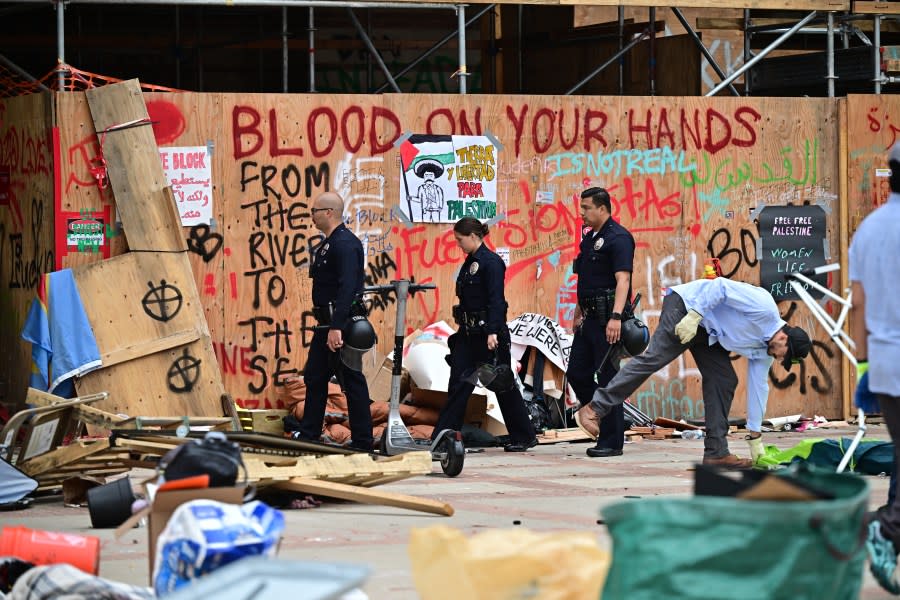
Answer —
877 8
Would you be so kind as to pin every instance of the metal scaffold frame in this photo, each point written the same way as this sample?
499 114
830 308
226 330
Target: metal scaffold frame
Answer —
786 31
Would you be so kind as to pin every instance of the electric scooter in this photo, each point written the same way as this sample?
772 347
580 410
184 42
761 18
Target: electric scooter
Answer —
447 447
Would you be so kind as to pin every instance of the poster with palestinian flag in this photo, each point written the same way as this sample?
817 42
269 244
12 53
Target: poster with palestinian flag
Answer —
444 178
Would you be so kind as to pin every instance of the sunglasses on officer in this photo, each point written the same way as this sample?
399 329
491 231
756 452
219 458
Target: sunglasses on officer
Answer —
315 210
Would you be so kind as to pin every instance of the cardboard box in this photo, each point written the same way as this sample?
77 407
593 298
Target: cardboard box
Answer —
476 409
164 505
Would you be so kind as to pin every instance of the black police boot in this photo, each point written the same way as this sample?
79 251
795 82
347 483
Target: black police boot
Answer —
600 452
520 446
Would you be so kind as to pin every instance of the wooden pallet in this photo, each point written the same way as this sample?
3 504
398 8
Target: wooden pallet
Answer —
571 434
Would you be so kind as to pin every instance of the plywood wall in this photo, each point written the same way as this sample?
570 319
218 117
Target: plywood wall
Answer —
684 174
26 231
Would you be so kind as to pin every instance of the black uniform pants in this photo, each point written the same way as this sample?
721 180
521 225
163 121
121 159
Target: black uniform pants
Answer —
321 364
467 352
589 347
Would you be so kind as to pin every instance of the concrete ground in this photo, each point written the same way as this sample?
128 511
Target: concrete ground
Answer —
553 487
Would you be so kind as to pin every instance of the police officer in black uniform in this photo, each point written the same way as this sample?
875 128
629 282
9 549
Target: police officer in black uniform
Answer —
483 338
337 272
604 265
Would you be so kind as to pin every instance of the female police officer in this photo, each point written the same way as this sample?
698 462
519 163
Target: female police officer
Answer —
482 339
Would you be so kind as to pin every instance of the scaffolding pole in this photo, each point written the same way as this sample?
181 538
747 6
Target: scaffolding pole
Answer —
611 60
372 50
60 43
311 31
748 65
703 50
462 72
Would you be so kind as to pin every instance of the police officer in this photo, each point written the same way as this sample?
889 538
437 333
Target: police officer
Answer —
483 338
337 274
604 265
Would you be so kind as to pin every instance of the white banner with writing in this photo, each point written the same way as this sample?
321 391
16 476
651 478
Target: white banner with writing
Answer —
189 172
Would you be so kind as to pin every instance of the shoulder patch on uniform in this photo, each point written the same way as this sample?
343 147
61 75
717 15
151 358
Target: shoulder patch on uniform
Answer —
473 268
598 244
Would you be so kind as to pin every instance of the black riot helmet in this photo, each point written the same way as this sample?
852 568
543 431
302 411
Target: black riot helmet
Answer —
359 337
635 336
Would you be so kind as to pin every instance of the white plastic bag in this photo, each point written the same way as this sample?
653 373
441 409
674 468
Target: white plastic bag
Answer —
203 535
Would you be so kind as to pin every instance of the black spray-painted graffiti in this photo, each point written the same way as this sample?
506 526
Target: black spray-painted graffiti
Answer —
282 334
280 236
203 242
162 302
184 373
25 271
732 258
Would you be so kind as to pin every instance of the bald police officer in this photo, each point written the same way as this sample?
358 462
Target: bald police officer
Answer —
337 272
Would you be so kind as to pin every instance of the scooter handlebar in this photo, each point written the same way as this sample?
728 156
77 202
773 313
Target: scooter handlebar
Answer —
388 287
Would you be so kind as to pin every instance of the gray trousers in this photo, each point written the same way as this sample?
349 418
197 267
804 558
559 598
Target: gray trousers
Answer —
889 515
714 363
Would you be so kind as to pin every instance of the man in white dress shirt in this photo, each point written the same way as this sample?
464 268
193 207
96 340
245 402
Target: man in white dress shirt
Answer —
712 318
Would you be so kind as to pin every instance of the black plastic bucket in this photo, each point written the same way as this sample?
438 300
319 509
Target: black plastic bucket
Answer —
110 504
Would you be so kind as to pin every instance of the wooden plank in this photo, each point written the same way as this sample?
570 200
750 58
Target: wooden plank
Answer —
803 5
336 466
140 349
876 8
365 496
143 198
61 456
553 436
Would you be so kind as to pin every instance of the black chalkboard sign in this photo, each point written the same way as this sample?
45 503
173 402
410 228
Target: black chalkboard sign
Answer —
793 240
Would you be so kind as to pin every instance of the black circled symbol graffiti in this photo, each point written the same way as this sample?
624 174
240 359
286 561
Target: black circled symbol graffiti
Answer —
184 373
162 302
204 242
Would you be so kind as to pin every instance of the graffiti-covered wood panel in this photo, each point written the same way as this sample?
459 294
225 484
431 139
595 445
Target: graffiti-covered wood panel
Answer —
26 228
685 175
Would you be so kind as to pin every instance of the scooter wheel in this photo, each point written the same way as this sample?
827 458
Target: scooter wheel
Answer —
454 457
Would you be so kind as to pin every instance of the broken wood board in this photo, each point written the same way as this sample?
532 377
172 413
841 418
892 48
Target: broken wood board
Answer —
144 201
365 496
357 469
152 335
61 456
553 436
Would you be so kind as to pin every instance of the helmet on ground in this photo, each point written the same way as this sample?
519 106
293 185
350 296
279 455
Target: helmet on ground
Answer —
635 336
359 337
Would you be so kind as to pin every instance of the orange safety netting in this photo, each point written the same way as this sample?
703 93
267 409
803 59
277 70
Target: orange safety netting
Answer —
73 80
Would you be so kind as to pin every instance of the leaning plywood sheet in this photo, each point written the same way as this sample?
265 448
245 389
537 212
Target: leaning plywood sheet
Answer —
152 335
143 199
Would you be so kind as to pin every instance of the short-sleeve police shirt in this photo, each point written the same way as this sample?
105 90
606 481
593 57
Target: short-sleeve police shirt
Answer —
337 272
479 286
601 255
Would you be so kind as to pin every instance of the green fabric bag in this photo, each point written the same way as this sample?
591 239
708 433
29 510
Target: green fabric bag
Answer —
714 547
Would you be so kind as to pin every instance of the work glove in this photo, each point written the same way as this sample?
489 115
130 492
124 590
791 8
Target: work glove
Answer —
686 328
862 367
757 448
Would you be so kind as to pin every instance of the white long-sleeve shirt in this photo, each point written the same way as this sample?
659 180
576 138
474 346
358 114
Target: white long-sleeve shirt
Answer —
742 318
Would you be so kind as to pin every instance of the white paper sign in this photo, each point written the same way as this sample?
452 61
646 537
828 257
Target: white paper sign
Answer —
444 178
189 172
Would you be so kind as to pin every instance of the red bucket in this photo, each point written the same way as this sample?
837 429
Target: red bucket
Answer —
51 547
